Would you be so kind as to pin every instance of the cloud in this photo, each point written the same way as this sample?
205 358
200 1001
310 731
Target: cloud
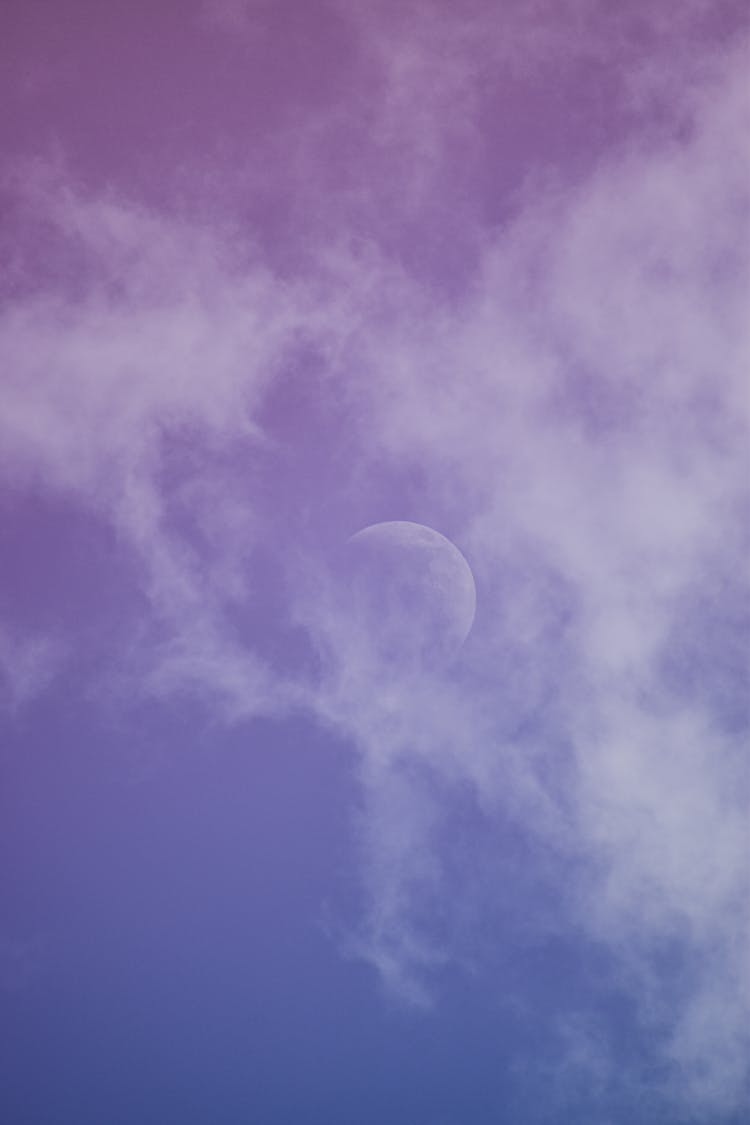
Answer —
27 665
581 420
572 414
136 356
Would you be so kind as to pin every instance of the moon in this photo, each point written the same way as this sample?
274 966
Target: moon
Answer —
410 592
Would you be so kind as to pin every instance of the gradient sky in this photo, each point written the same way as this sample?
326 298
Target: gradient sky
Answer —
273 271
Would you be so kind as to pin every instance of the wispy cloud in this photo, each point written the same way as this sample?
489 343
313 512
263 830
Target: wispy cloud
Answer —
574 416
27 665
582 422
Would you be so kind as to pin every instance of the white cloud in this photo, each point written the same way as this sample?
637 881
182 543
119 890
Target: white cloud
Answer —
27 666
160 338
577 420
584 414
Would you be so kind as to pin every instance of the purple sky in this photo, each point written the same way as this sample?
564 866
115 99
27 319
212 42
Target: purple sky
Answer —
274 271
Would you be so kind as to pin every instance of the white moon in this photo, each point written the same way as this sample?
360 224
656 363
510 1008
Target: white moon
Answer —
410 592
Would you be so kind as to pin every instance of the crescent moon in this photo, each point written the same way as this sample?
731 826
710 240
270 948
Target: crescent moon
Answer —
411 591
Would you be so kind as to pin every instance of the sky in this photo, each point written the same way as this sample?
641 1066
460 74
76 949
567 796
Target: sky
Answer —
443 824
